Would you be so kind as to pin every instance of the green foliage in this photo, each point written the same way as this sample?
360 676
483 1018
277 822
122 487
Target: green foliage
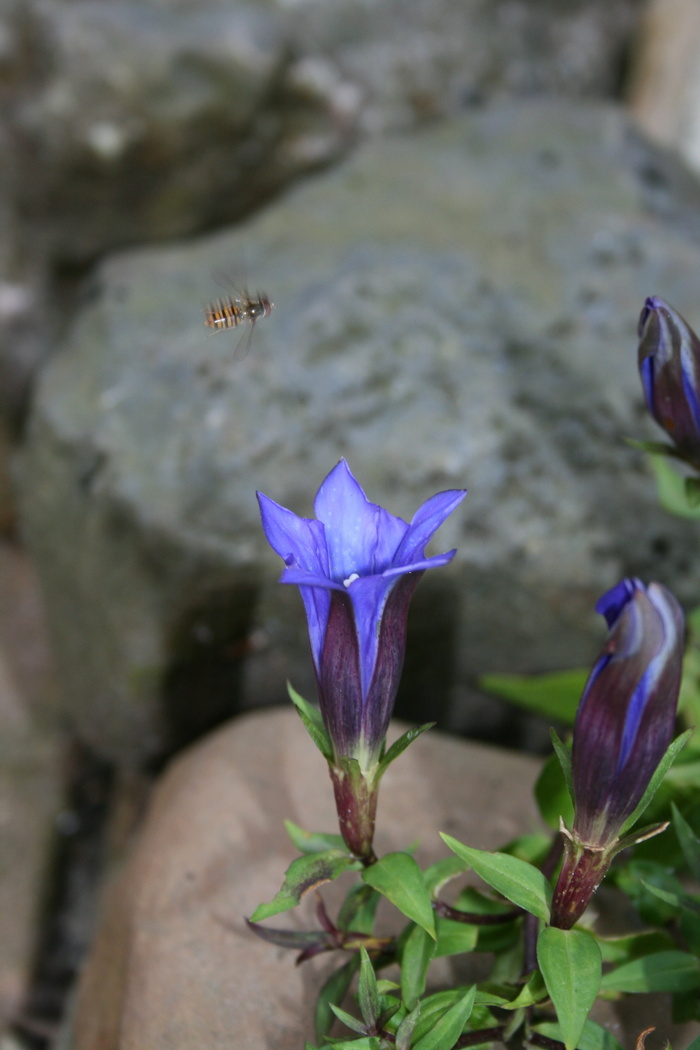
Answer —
554 695
571 966
303 875
398 878
522 884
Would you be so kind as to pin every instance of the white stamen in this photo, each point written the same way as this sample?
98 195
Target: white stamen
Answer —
351 579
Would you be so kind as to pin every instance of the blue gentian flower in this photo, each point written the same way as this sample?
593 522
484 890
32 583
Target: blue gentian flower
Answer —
669 365
624 725
356 566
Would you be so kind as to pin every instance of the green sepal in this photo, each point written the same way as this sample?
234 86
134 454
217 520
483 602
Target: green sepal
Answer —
670 485
555 694
332 994
515 879
563 754
672 971
688 841
398 878
311 717
417 952
313 841
305 874
368 993
672 752
447 1029
571 965
398 747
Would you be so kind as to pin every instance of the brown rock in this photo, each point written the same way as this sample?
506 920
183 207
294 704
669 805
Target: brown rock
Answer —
173 965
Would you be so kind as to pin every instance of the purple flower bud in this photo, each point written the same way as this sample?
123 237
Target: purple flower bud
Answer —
669 365
623 727
356 567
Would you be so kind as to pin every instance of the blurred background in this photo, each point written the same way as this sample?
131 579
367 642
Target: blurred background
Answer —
458 209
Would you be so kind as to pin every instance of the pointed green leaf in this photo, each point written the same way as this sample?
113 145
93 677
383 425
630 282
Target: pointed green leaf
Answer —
672 752
305 874
404 1033
400 745
398 878
368 995
552 795
417 953
532 992
593 1037
670 486
676 900
553 695
672 971
571 965
514 878
348 1020
358 910
447 1030
313 841
311 717
688 840
332 993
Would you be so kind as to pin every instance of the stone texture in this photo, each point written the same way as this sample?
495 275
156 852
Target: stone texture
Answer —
173 965
31 778
132 121
454 308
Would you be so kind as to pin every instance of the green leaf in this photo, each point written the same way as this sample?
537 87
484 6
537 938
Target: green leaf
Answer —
454 937
416 956
571 965
552 795
332 993
676 900
311 717
553 695
672 752
313 841
670 487
348 1020
442 872
368 994
305 874
672 971
399 746
594 1036
692 492
404 1033
514 878
398 878
447 1029
517 997
358 910
369 1042
688 840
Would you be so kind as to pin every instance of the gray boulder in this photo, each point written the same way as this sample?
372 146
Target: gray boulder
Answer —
455 308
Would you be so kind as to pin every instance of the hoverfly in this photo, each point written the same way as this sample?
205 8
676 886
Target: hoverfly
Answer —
236 309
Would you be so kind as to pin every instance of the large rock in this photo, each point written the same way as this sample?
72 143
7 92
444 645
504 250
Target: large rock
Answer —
133 121
454 308
173 964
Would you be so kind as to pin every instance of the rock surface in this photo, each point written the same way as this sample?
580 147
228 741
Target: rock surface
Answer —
455 308
173 965
129 121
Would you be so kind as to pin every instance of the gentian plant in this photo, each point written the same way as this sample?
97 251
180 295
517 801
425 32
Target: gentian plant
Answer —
356 567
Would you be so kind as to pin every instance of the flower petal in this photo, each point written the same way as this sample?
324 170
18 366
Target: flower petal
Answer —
299 541
426 521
